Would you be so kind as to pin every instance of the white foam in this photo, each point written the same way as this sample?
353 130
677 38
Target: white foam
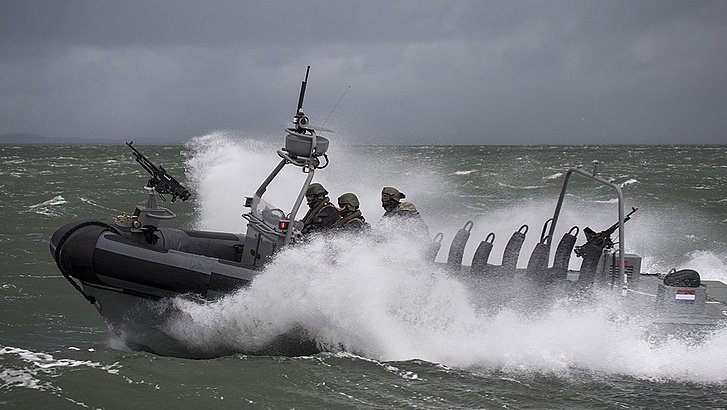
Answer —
224 168
502 184
464 172
49 207
710 265
45 363
92 203
554 176
56 200
375 297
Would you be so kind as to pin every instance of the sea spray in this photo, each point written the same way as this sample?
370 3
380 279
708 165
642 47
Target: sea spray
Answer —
351 293
376 296
710 265
224 168
371 296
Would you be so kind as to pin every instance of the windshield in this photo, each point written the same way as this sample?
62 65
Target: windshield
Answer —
268 213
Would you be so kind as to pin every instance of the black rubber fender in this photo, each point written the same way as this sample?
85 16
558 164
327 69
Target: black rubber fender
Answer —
512 250
561 260
456 249
482 254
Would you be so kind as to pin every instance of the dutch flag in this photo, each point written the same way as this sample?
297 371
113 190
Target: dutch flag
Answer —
685 296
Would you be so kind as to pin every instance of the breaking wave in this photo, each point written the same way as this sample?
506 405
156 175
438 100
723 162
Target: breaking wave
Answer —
554 176
47 208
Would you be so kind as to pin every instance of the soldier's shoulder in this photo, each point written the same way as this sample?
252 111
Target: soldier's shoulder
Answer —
328 208
406 207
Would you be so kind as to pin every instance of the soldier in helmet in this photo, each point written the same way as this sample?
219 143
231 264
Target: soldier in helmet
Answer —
322 213
351 217
391 202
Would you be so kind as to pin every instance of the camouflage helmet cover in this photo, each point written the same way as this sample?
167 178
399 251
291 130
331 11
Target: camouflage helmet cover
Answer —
315 189
392 192
348 199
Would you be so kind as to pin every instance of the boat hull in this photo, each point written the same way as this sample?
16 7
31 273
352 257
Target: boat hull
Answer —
132 282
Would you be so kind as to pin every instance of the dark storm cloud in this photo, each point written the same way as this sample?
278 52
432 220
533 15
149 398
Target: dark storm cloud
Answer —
420 71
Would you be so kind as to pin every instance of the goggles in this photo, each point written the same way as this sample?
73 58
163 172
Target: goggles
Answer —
386 197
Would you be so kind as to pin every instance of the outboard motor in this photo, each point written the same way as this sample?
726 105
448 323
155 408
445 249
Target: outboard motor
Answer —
456 250
482 254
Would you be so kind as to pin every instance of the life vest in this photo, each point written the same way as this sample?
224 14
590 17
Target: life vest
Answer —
314 218
354 220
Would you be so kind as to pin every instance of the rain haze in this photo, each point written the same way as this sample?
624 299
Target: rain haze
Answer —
420 72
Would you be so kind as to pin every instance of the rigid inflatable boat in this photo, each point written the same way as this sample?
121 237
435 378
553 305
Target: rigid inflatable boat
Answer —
128 268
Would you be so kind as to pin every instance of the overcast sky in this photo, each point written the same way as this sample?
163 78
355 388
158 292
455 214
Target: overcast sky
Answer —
421 72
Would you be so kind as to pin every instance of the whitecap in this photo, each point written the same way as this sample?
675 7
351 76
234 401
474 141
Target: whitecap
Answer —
520 187
47 207
465 172
92 203
628 182
56 200
41 363
554 176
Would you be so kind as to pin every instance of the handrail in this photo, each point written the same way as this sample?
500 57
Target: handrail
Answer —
595 177
296 206
264 186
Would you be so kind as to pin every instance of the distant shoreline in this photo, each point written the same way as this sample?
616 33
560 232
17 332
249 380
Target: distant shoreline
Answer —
32 139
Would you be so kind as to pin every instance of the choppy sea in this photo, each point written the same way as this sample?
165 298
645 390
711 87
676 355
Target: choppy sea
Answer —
409 339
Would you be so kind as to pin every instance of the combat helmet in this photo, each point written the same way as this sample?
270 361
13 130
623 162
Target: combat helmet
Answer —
348 198
389 193
316 189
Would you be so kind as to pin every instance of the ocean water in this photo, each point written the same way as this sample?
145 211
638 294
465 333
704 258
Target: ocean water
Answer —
404 334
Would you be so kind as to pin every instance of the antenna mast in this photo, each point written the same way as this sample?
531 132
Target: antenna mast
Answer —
300 120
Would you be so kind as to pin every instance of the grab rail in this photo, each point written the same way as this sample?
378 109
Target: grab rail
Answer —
593 176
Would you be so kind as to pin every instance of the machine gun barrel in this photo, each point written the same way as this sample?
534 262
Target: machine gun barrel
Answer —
608 232
160 179
600 239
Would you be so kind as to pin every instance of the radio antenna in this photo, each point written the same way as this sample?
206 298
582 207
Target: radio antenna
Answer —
334 107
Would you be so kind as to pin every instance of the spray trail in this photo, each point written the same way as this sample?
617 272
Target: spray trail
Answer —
374 295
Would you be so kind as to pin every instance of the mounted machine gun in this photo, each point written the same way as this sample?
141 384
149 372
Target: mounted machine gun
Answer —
160 179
